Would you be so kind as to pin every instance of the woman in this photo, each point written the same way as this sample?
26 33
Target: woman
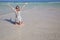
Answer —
17 10
18 18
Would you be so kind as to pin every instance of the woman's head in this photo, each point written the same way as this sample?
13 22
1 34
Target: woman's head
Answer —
17 8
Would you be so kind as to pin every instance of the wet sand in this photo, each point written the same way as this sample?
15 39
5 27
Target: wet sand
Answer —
40 23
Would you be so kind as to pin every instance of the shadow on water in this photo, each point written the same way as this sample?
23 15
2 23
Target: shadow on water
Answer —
9 20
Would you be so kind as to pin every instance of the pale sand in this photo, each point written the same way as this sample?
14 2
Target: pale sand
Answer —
39 24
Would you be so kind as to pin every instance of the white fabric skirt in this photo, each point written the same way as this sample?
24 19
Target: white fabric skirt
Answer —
18 18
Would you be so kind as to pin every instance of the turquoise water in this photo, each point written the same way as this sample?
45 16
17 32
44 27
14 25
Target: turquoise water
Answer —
4 9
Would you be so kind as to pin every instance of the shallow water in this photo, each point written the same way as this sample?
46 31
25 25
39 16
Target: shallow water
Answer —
4 9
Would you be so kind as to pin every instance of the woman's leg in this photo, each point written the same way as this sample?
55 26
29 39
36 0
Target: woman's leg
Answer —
20 22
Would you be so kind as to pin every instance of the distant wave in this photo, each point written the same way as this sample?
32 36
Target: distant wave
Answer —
53 2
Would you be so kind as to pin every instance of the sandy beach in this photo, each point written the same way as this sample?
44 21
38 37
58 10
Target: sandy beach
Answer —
40 23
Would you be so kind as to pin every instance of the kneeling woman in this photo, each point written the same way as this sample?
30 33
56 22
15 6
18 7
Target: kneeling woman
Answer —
18 19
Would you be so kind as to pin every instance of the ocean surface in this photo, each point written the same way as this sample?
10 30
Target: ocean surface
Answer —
4 9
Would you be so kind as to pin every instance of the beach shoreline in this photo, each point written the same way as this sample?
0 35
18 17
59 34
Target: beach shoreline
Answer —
40 23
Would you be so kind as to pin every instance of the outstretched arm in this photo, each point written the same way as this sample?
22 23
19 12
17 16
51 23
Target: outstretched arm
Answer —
24 6
11 7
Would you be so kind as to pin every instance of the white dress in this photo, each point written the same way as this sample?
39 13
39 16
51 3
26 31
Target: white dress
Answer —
18 18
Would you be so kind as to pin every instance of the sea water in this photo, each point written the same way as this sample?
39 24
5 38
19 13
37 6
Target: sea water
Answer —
5 9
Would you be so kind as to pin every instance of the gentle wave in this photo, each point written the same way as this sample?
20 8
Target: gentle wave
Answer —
4 9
